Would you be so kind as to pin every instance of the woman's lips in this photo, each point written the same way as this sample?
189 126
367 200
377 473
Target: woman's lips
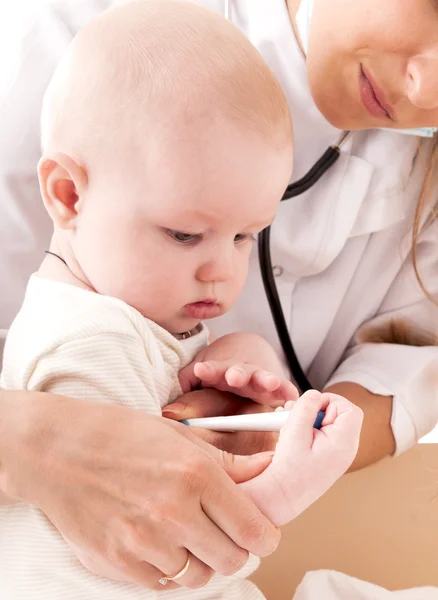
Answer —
207 309
372 98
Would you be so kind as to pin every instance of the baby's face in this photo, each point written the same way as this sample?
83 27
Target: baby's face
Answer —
170 230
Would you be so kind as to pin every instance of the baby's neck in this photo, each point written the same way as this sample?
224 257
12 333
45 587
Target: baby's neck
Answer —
59 265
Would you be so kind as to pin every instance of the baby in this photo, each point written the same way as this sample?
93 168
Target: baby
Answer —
167 144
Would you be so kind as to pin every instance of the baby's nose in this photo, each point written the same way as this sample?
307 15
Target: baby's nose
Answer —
218 268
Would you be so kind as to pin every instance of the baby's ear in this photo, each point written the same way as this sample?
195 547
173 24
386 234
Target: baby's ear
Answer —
62 181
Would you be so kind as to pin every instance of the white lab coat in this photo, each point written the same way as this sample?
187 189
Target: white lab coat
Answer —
342 250
331 585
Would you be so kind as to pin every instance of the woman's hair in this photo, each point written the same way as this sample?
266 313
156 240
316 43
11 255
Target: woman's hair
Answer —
400 330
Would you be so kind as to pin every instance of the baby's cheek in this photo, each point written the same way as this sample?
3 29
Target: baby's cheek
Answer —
241 275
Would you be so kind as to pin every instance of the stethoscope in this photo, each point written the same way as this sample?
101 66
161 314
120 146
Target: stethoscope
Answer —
293 190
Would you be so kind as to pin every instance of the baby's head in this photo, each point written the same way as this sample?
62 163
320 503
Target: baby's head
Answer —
167 145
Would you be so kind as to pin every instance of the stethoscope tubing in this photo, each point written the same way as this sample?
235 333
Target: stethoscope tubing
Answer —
322 165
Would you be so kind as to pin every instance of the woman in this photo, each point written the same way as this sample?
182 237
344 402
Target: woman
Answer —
361 322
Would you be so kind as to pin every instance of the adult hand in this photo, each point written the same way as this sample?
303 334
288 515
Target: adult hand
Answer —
131 493
211 403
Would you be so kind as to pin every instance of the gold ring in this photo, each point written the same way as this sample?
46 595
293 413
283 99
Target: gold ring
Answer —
184 570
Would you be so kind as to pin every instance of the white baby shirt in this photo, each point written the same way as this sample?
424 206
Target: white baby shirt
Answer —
69 341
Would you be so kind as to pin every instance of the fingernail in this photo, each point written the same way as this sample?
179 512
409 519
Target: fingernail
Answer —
278 404
312 394
267 454
238 370
174 409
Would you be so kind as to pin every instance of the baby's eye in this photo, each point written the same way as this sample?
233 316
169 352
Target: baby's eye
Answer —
183 238
240 237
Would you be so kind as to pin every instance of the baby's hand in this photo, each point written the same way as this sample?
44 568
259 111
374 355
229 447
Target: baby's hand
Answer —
307 461
242 379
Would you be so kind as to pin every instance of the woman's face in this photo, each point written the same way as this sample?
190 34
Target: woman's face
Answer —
374 63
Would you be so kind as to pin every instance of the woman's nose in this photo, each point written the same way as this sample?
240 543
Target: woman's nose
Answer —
423 80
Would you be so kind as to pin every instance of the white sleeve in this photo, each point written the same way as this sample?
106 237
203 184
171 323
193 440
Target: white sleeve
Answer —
409 373
34 35
3 334
107 367
31 44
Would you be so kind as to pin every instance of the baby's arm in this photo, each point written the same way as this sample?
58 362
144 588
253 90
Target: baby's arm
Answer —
307 461
110 367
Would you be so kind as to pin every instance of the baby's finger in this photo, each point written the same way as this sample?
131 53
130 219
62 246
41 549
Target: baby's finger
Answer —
286 391
187 378
298 429
263 381
238 376
343 419
215 372
333 405
211 372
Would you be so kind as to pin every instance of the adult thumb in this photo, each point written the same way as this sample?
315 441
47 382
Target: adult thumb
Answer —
243 468
239 468
207 402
